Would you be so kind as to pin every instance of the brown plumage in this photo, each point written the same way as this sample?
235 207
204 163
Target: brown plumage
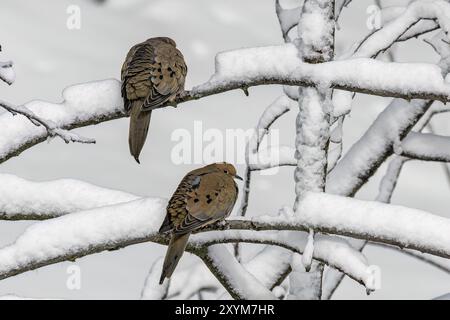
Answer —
204 196
153 74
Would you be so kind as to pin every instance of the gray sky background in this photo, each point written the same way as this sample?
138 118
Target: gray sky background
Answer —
48 57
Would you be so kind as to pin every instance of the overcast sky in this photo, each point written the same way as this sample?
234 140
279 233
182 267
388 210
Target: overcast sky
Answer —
49 57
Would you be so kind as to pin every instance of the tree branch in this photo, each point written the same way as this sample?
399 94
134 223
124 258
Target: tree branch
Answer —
7 72
52 129
426 146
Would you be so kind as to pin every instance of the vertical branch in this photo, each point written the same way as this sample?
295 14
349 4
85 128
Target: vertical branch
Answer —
315 45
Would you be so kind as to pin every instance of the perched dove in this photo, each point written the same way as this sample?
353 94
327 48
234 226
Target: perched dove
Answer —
204 196
153 75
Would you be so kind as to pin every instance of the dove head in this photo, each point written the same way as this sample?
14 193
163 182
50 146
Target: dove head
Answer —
227 168
167 40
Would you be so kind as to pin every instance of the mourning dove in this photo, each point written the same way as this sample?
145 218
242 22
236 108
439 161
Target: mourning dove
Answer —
153 74
204 196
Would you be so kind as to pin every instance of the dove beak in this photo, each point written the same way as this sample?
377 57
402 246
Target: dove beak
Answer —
238 177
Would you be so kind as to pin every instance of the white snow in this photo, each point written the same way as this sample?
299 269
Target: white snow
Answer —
152 290
269 264
242 282
288 18
307 255
185 283
426 146
7 73
274 64
78 233
388 223
260 158
41 200
396 28
342 102
83 103
354 167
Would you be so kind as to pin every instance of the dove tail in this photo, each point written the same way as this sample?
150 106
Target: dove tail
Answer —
175 250
139 122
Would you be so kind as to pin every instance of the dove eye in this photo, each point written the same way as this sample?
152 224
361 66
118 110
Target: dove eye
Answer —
226 171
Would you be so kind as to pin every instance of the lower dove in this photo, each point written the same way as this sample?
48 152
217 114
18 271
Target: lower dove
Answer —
204 196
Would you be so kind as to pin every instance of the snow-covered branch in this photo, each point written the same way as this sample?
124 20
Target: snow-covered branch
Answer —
426 146
52 129
370 151
399 27
7 72
152 290
99 101
83 105
111 227
333 251
374 221
21 199
239 282
288 18
244 68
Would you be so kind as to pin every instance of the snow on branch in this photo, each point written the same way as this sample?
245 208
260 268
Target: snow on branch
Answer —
397 28
233 275
51 127
370 151
271 156
7 72
375 221
288 18
152 290
39 201
186 283
265 266
111 227
333 251
243 68
21 199
83 105
95 102
83 233
266 157
426 146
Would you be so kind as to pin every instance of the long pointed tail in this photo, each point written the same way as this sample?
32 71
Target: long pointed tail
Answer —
139 122
174 252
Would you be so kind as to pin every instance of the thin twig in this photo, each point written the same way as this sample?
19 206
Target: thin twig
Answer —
52 129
